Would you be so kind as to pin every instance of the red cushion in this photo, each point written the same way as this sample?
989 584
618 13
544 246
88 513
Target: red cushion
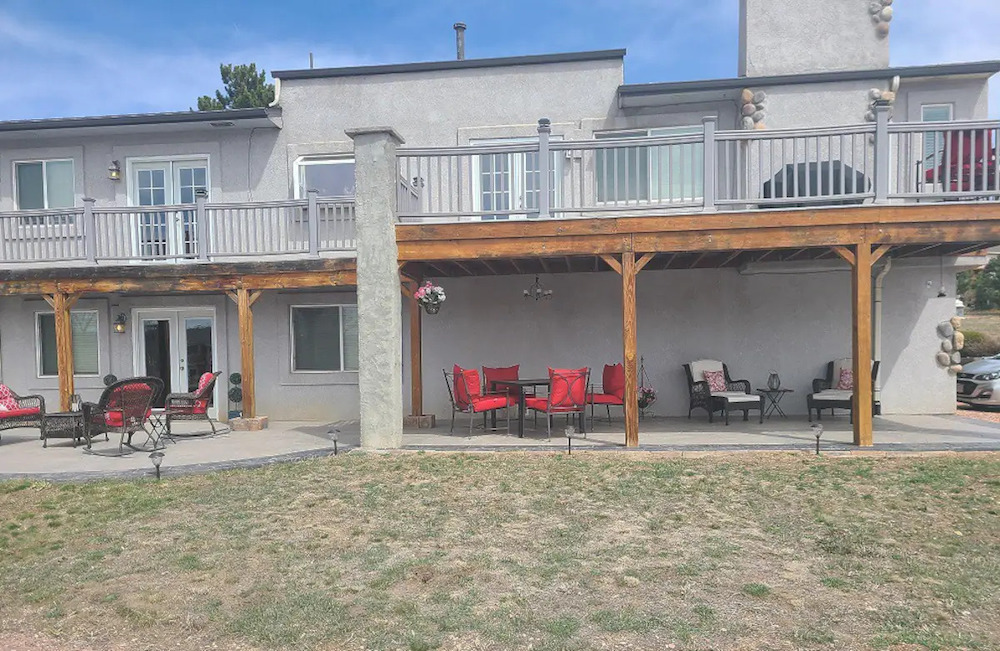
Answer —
204 381
605 399
7 398
466 382
716 381
489 403
114 418
501 373
14 413
614 381
541 404
567 387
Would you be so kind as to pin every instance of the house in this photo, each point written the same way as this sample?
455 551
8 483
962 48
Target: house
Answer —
803 211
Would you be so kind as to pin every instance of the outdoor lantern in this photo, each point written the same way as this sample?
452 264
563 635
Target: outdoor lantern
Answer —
570 432
333 437
119 324
157 459
817 429
537 292
115 171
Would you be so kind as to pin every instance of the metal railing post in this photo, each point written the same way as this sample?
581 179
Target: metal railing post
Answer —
544 165
882 153
312 215
201 222
710 168
89 230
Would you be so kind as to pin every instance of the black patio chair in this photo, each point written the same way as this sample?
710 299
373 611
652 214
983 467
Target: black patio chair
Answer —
123 409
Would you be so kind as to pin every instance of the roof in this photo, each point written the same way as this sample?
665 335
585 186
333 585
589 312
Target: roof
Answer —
193 118
456 64
986 68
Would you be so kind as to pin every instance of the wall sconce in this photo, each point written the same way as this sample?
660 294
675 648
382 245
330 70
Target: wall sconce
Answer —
115 171
119 324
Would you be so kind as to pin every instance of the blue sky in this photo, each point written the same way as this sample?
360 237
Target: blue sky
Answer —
99 57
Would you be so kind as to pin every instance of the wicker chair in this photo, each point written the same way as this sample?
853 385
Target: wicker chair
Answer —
737 395
21 411
194 405
123 409
825 396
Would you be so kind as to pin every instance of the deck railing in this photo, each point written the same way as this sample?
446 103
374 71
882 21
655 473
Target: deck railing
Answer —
705 171
200 231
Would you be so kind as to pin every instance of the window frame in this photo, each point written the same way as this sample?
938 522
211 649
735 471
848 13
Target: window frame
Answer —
650 167
43 220
291 337
298 182
38 344
517 177
934 159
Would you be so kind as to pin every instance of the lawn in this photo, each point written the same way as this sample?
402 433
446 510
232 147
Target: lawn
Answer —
513 551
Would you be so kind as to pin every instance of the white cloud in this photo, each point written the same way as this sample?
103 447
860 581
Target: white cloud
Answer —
59 73
936 31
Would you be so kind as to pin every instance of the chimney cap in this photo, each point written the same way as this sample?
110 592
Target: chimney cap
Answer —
459 26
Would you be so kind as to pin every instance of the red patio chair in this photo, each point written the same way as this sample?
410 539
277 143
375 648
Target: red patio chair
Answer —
967 162
20 411
611 391
567 395
124 408
468 397
194 405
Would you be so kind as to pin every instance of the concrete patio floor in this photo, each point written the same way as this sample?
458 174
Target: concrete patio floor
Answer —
22 455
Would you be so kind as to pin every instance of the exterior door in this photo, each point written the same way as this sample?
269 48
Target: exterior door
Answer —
511 182
177 346
170 234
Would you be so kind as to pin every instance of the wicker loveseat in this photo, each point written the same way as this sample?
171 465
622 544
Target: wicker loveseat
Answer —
20 411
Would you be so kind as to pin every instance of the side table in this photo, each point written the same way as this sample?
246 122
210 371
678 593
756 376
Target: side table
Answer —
774 397
63 425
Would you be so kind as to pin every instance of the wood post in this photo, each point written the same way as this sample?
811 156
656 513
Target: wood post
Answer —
861 349
61 304
409 287
630 345
244 300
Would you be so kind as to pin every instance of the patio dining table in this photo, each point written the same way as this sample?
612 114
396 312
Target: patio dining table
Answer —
521 385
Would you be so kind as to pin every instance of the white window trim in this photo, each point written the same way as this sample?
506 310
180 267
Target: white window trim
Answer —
45 182
132 161
648 131
291 337
515 213
948 105
317 159
38 345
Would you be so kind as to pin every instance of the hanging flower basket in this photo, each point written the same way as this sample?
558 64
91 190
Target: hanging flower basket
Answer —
430 296
647 396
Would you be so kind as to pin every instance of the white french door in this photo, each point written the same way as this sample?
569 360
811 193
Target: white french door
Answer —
170 233
177 346
511 182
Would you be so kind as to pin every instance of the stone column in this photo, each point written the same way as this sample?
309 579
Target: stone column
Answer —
380 367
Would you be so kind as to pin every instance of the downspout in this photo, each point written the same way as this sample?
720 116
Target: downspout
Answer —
877 343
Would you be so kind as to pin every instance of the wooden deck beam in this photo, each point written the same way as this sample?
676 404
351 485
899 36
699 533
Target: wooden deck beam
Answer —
244 300
861 340
630 345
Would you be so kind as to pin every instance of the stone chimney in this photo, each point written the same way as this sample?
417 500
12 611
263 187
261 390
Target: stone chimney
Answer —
780 37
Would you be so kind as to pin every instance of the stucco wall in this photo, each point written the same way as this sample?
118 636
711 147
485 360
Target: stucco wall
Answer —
794 323
788 36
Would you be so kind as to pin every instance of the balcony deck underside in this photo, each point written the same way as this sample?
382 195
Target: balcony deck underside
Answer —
695 241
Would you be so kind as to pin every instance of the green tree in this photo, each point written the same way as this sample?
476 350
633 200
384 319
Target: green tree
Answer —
986 289
243 87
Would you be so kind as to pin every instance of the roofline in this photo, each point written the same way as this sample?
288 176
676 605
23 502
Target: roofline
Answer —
174 117
939 70
457 64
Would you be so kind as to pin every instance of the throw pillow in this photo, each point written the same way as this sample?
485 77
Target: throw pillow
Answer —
7 399
846 379
716 381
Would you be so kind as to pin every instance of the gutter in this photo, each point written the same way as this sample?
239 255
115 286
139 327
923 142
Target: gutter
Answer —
877 325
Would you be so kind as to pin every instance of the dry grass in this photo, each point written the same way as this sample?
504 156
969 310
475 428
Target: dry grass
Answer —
987 323
501 551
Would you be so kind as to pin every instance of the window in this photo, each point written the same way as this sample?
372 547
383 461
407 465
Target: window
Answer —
324 338
512 181
657 173
84 326
934 141
330 176
44 185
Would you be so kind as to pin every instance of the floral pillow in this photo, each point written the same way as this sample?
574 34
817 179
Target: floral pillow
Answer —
7 399
846 379
716 381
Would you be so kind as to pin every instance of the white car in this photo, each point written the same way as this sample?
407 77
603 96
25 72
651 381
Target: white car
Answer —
979 382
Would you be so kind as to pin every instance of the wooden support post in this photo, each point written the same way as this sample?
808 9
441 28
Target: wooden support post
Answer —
61 304
244 299
628 267
416 355
861 350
